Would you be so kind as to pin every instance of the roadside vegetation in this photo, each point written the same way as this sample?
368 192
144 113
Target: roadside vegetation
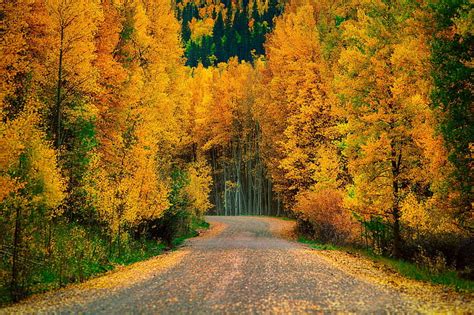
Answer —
417 271
76 258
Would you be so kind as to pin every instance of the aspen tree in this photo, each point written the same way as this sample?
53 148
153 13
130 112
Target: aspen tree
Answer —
385 84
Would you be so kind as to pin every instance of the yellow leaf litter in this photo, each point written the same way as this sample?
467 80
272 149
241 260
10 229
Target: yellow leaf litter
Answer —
430 298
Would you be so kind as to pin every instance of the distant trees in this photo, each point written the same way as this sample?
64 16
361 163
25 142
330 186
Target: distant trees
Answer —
213 33
227 133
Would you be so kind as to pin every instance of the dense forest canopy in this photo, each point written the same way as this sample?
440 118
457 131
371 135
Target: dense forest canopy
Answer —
214 31
122 122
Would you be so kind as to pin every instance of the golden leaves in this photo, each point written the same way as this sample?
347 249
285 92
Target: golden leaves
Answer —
72 27
385 80
221 97
200 28
145 113
199 187
28 160
299 97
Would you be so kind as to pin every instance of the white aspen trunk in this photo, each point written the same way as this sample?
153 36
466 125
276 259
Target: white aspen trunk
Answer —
237 173
249 175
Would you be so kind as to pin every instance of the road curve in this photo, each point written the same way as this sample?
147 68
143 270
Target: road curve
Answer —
241 266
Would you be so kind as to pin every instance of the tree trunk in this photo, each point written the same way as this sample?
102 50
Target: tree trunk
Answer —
15 282
58 92
396 160
278 205
225 192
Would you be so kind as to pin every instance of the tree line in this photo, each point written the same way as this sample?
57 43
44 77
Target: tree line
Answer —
365 111
214 31
95 139
357 120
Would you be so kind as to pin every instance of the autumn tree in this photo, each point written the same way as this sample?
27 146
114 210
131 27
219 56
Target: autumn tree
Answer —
227 132
72 28
384 82
31 185
126 181
298 109
199 187
68 85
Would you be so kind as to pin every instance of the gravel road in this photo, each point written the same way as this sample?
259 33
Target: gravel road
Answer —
241 266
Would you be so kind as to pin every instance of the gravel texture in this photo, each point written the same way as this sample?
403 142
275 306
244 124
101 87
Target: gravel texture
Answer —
243 265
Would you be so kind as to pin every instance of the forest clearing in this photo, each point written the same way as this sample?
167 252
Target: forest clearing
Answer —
124 123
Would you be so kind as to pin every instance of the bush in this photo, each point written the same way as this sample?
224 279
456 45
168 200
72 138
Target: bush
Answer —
376 233
440 251
177 220
321 216
76 253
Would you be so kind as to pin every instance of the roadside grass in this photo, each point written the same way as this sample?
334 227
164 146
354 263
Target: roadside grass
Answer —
139 252
46 279
410 270
200 224
284 218
448 278
281 217
196 226
317 245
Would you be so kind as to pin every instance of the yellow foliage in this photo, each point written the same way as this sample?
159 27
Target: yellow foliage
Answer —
324 210
427 217
221 96
144 118
385 80
72 26
297 110
199 187
28 166
200 28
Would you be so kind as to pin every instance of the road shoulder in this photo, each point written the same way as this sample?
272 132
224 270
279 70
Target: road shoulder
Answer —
113 281
429 297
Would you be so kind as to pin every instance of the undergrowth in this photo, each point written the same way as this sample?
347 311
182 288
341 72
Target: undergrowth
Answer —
98 260
448 278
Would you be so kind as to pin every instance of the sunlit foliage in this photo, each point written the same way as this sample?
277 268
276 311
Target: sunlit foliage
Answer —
354 116
347 109
94 121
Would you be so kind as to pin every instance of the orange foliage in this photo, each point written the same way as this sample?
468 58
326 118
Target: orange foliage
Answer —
298 110
199 187
325 212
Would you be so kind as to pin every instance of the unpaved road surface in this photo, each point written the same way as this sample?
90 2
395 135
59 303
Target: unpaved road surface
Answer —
242 265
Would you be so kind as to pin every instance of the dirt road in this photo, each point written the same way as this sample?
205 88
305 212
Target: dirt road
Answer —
242 265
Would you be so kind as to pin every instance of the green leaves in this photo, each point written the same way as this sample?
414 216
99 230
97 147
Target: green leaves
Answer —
452 55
